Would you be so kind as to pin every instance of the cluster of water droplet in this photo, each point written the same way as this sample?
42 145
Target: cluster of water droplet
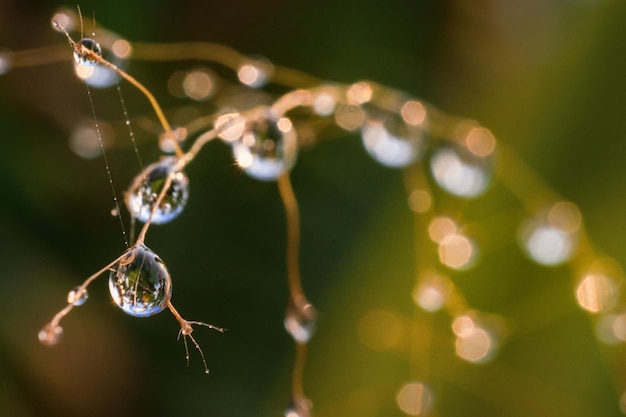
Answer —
143 194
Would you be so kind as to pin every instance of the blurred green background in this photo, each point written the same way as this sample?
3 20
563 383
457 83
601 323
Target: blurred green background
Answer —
547 77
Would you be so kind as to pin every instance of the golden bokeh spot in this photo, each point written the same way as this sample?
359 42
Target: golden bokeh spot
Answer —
440 228
198 85
565 216
413 113
122 48
480 141
349 117
420 201
596 293
359 93
415 399
230 126
456 251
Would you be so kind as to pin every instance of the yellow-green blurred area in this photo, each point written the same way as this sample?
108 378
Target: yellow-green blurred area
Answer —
546 77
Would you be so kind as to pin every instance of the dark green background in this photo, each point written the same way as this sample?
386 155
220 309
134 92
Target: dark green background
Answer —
547 77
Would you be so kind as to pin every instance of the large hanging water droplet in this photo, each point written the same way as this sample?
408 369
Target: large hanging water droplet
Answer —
267 148
82 57
389 139
140 283
101 76
146 187
50 334
300 320
77 296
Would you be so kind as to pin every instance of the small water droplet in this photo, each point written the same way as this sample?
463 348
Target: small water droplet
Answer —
389 139
147 186
267 148
300 320
77 296
50 334
140 283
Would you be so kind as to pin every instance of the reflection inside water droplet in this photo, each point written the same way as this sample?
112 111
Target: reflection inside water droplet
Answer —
99 76
267 148
140 283
146 187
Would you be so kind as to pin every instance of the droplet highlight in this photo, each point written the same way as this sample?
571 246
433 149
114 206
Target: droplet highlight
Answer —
460 172
300 320
140 283
389 139
550 237
77 296
50 334
147 186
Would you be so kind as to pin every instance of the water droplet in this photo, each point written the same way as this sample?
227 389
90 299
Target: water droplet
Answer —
548 241
267 148
81 54
77 296
300 320
146 187
389 139
415 399
99 76
50 334
140 283
460 172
